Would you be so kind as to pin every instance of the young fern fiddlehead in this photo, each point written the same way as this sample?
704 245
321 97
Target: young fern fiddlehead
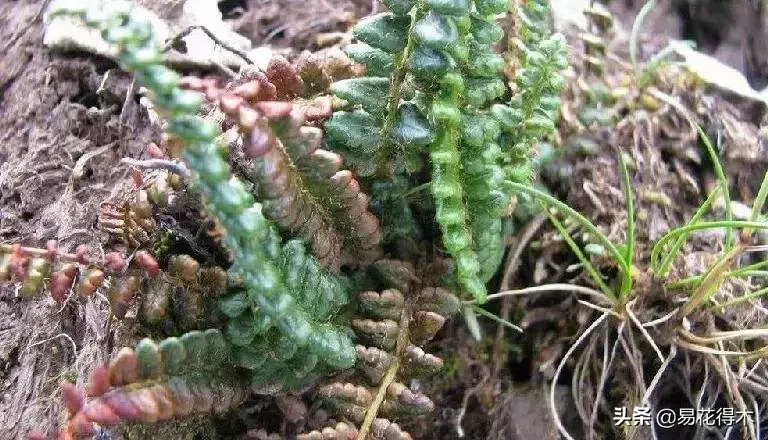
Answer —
253 241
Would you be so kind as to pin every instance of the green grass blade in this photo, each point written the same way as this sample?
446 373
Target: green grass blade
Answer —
588 266
495 318
723 183
570 212
756 267
753 270
754 295
733 224
666 263
757 207
626 278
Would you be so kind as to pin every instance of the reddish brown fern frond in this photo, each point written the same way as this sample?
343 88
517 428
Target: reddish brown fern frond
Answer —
130 222
155 382
301 185
31 267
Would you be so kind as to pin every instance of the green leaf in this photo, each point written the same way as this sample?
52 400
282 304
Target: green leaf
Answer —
480 91
486 32
384 31
149 359
400 7
485 64
285 349
472 130
241 330
429 63
449 7
412 128
377 62
508 118
369 92
218 349
357 132
491 7
539 125
436 31
250 357
196 347
173 354
234 305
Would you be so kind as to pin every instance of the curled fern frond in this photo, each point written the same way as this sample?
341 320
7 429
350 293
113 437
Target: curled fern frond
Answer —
156 382
252 239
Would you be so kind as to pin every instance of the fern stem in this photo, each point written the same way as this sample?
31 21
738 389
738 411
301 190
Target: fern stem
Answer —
389 377
396 93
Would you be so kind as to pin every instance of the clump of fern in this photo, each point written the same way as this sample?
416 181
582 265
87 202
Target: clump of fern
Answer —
426 99
290 233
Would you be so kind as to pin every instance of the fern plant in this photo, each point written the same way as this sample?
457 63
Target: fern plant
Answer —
429 113
76 273
156 382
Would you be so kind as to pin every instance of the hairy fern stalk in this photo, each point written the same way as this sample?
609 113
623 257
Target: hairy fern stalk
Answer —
309 276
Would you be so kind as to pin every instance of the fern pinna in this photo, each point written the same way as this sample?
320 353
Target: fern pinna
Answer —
155 382
428 114
78 273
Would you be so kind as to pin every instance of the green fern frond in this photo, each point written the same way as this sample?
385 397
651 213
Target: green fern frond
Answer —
535 104
426 90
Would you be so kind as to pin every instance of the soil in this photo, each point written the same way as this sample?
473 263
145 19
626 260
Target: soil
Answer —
61 144
65 124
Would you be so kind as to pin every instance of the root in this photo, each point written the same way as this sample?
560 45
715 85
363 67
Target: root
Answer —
552 406
607 364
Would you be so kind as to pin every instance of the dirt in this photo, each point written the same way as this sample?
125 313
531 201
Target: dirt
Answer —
290 23
60 148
